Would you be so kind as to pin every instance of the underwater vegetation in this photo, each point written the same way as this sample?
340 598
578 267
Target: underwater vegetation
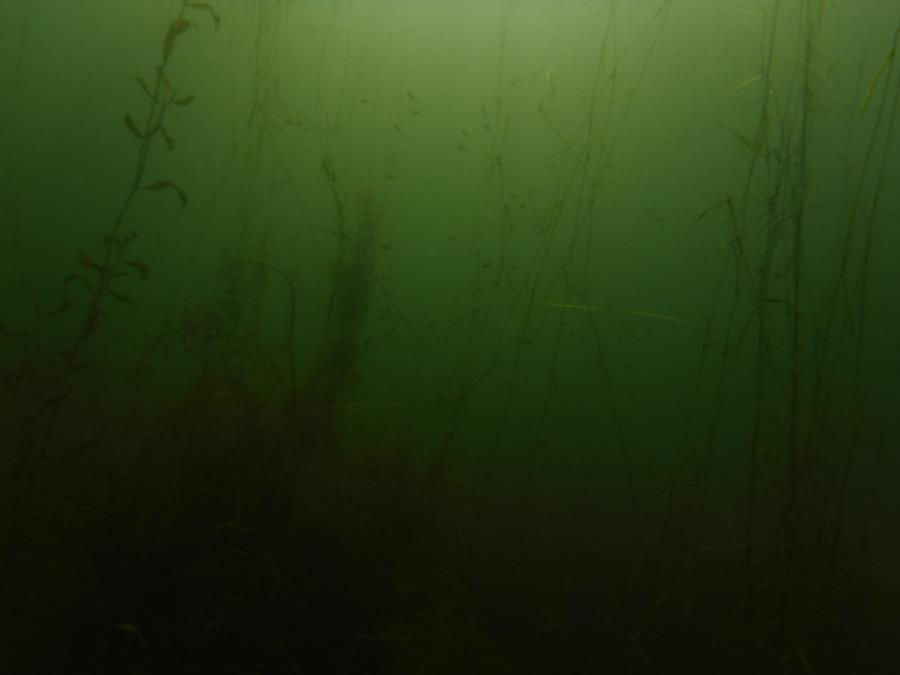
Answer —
579 358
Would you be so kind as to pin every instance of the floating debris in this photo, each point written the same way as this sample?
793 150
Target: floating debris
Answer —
606 308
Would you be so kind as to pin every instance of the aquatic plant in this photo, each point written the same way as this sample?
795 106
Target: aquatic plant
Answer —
98 276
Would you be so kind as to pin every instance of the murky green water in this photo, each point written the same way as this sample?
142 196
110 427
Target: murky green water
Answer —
425 337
